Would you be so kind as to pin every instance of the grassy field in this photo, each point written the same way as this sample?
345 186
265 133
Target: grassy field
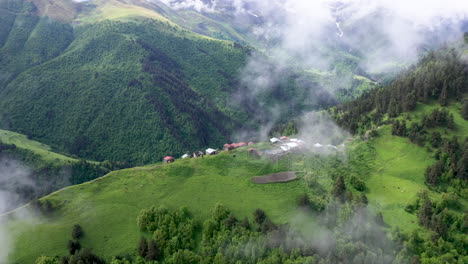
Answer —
21 141
399 166
107 207
397 177
392 167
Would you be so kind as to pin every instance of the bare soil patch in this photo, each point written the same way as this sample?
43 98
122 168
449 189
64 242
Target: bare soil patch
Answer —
275 177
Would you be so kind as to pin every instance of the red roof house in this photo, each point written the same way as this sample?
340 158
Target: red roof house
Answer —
228 147
168 159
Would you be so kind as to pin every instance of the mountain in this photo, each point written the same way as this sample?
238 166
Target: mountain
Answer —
110 80
404 176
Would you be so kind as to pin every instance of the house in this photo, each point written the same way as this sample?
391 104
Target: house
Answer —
318 145
241 144
168 159
253 153
283 138
197 154
228 147
211 151
185 156
274 140
250 144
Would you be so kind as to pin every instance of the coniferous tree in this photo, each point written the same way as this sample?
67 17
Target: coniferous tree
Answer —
425 212
433 173
77 232
259 216
464 111
443 95
339 188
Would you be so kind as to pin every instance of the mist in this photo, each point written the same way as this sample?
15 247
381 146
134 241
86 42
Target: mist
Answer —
15 178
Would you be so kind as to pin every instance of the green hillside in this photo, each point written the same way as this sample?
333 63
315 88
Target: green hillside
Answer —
128 89
196 183
392 168
43 151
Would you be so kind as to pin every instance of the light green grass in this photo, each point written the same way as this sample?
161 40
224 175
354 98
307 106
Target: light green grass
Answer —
397 177
44 151
107 207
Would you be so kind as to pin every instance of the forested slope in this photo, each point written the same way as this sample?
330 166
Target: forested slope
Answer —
130 90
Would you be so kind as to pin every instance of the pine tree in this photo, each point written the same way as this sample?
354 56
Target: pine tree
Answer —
443 95
425 212
464 111
259 216
77 232
339 188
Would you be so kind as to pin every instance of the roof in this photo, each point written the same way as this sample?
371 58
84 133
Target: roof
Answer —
210 150
241 144
273 140
250 143
292 145
168 158
185 156
318 145
283 137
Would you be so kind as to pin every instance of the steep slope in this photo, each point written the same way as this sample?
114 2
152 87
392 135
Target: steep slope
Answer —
30 170
392 168
133 89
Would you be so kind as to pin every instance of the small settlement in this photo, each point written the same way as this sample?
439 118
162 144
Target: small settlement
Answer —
280 147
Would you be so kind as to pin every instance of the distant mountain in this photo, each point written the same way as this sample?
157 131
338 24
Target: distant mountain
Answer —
118 81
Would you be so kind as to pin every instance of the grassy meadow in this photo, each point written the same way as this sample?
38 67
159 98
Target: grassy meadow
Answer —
113 202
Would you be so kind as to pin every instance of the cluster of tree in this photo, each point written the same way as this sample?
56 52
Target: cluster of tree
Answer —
227 240
399 128
438 118
440 75
171 231
447 242
451 166
78 255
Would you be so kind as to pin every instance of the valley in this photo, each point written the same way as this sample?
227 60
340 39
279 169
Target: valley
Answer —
113 116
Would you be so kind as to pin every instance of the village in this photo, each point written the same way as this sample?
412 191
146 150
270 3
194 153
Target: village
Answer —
278 147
